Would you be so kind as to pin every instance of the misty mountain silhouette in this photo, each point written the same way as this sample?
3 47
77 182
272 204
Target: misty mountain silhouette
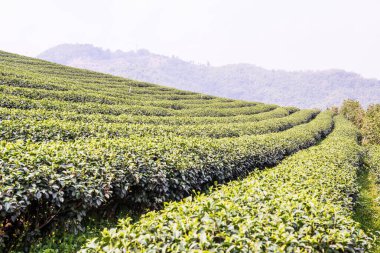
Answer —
304 89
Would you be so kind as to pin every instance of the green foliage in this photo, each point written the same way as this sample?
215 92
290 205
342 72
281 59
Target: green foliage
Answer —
53 129
353 111
49 178
302 205
371 125
74 143
374 163
367 206
43 114
61 241
368 121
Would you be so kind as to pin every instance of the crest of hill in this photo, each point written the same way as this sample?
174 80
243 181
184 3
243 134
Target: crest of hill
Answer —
304 89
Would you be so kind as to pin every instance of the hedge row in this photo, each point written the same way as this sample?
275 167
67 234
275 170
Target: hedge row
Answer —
11 101
302 205
47 130
58 182
43 114
371 125
81 95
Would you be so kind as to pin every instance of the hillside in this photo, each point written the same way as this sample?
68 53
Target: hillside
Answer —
305 89
198 172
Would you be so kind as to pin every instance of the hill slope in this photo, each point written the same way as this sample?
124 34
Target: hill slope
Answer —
73 141
76 143
304 89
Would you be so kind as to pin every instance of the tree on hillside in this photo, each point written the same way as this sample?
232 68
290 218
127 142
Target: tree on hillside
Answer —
371 125
353 111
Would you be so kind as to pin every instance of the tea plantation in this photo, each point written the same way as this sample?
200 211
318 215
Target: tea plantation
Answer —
76 143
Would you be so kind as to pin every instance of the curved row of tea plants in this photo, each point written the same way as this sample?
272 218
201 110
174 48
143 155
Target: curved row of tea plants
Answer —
40 79
12 101
74 142
58 181
37 130
43 114
302 205
96 87
84 96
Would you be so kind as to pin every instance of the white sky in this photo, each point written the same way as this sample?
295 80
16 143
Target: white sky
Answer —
275 34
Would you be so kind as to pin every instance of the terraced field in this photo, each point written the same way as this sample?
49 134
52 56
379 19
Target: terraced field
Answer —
302 205
75 142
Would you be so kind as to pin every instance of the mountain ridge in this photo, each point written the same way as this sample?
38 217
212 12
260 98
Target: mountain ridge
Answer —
243 81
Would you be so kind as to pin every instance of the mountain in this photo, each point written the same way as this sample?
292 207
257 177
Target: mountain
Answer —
304 89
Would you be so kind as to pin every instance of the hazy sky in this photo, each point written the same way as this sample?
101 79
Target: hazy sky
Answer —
276 34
